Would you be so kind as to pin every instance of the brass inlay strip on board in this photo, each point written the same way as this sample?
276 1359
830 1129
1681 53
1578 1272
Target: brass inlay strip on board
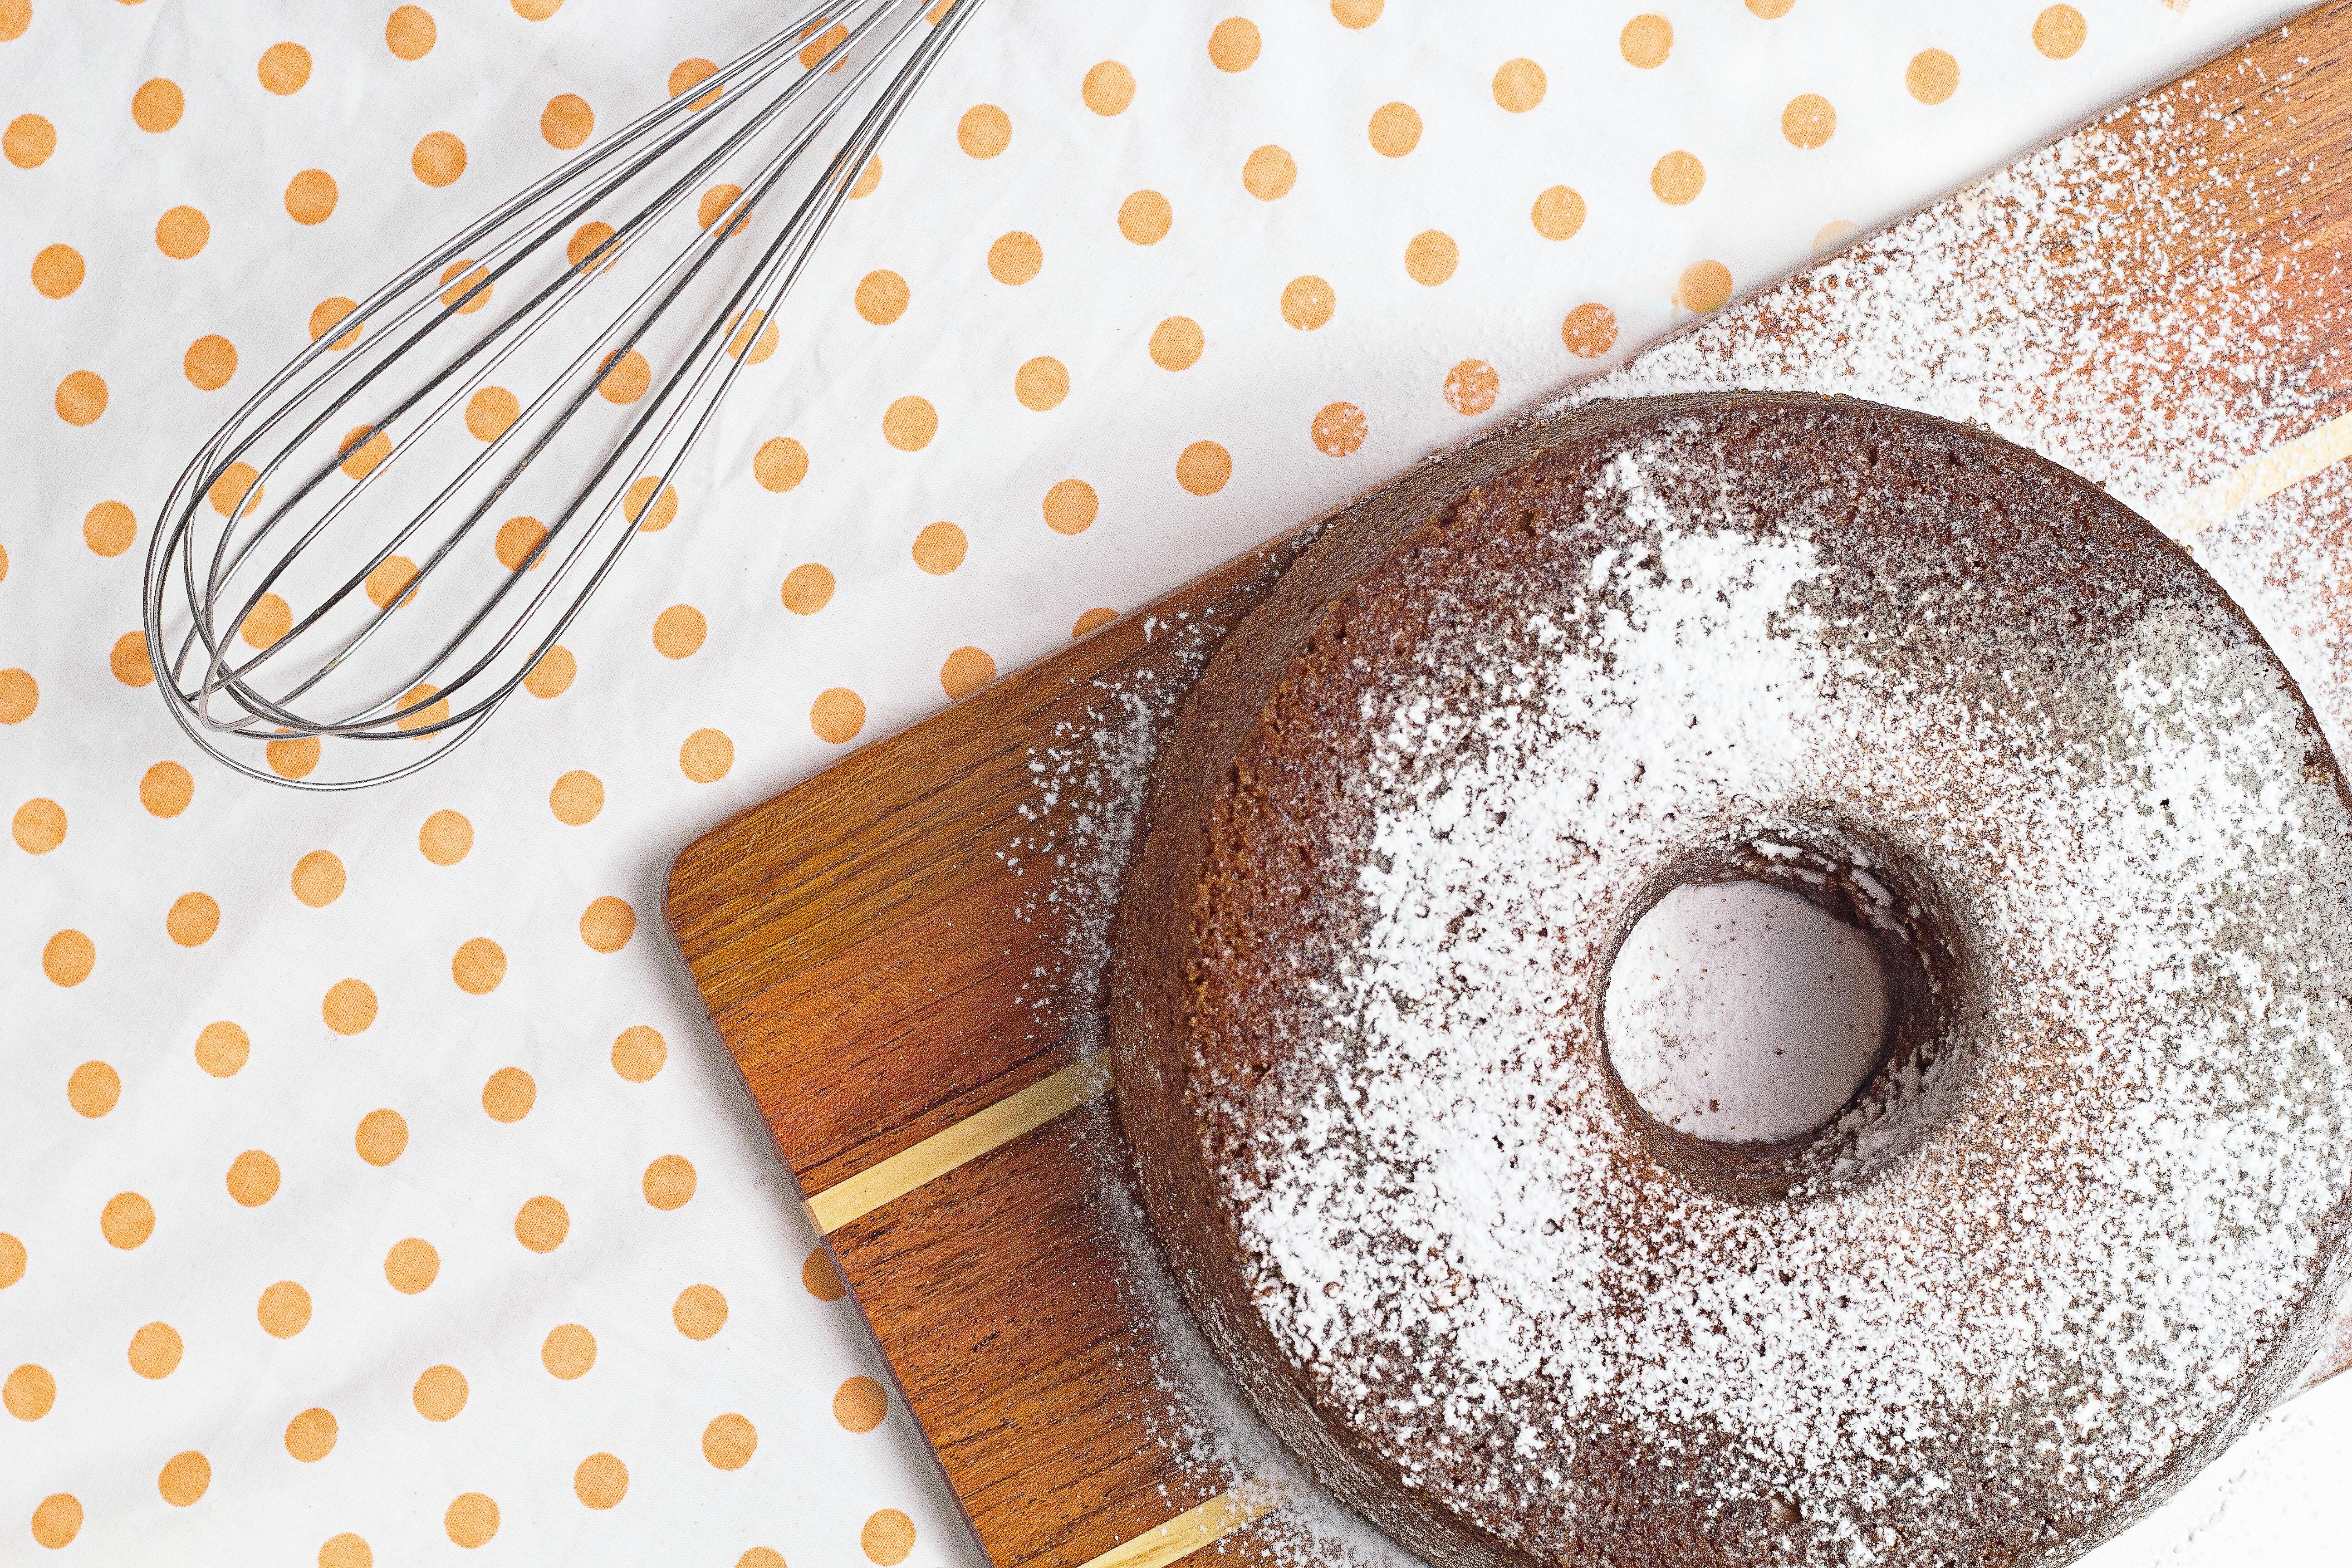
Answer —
2260 480
1191 1530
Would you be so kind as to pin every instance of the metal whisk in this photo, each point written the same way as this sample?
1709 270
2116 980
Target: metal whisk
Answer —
390 536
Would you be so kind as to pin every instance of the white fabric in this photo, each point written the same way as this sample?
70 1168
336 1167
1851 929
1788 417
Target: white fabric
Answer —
814 1489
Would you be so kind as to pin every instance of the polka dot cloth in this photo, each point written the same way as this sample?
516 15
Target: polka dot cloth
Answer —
370 1188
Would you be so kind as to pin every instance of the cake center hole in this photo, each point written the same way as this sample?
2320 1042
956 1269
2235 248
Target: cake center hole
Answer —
1737 1013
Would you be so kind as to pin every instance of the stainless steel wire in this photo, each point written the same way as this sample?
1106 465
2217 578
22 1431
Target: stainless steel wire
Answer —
563 353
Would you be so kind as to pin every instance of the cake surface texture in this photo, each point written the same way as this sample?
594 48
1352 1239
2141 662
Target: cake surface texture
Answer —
2081 1222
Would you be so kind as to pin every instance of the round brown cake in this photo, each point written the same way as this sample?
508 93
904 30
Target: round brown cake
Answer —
2082 1219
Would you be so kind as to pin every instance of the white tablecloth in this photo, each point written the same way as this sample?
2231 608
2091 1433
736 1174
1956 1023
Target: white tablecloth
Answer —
368 1179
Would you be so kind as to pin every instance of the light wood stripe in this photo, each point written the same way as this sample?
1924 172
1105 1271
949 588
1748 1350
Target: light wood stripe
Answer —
968 1140
1191 1530
2259 481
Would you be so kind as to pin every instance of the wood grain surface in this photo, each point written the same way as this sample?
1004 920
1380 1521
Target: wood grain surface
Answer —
889 949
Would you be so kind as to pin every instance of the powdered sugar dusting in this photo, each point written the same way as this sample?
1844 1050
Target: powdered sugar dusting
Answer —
2067 1252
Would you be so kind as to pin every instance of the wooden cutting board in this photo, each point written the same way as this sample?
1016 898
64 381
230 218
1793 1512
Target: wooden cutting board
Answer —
894 950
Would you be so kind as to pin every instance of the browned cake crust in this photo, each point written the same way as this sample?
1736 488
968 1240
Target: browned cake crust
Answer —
1942 559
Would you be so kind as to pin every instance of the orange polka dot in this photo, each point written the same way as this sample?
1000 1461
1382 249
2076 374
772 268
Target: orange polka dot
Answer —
439 159
1234 44
469 286
490 412
684 75
381 1136
1394 129
600 1481
58 271
889 1535
587 240
699 1311
868 179
830 39
1809 121
1646 40
1307 303
578 797
882 297
12 1260
1269 173
669 1182
329 311
185 1479
1015 258
716 203
568 1352
626 378
412 1264
608 924
567 121
284 68
445 839
1356 14
29 1393
807 589
1338 429
158 105
222 1048
1677 178
542 1223
780 464
1177 343
126 1220
284 1309
81 397
1590 331
311 1436
859 1404
19 695
418 710
706 756
638 1053
69 958
941 547
552 675
409 32
1071 507
909 423
310 196
269 619
1704 287
984 131
155 1350
836 715
1109 87
517 538
1519 84
1771 9
1203 467
349 1006
38 826
1932 76
679 631
965 671
193 919
472 1518
346 1551
110 529
1042 383
253 1178
1092 621
292 759
28 141
820 1277
93 1088
729 1442
1430 257
1472 387
478 965
650 512
2058 31
56 1519
16 15
1832 233
1145 217
127 658
237 484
